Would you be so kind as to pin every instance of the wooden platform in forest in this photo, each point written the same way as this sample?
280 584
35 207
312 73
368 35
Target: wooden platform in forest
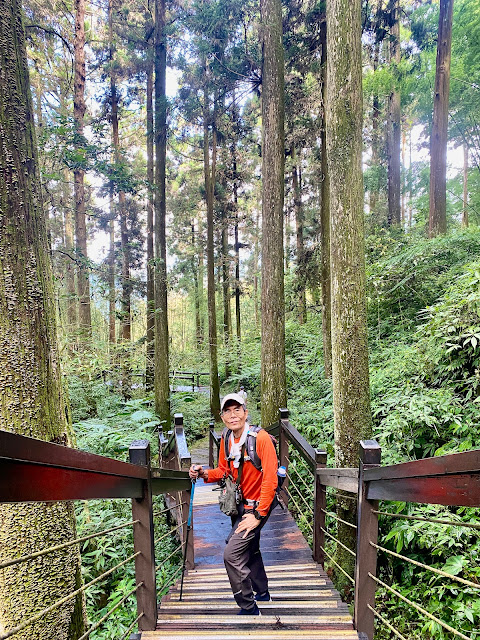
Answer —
304 602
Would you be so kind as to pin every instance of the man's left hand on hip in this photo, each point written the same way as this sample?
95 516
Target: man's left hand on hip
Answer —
248 523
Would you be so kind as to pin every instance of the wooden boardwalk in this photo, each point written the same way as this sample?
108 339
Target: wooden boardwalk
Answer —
304 602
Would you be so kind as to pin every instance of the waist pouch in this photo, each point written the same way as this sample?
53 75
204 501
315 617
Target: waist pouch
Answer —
230 496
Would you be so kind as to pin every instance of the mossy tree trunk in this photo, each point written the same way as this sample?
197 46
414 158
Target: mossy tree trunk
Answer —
162 387
32 401
273 375
437 221
83 282
351 394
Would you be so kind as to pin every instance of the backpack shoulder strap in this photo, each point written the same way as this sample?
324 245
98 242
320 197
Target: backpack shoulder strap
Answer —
226 433
252 447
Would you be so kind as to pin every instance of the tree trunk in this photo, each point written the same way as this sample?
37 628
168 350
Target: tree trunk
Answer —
273 375
72 306
209 174
30 377
194 262
227 313
325 218
465 186
351 395
83 283
299 221
394 130
437 222
200 283
162 387
126 315
111 276
150 365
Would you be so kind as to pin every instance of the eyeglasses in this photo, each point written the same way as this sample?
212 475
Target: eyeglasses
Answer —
233 411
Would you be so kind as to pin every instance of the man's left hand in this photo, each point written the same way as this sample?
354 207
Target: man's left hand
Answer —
248 523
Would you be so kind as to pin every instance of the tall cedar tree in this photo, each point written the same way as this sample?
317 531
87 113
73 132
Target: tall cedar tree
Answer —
126 314
83 282
394 131
32 399
325 215
273 373
210 176
150 367
437 222
162 387
351 394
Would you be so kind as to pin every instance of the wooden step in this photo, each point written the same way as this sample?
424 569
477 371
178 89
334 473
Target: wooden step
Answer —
261 634
294 607
334 620
226 594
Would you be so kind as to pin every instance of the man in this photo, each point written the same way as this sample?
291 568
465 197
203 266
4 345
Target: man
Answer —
242 557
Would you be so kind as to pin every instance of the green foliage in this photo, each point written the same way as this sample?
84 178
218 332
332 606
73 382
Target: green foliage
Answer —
406 281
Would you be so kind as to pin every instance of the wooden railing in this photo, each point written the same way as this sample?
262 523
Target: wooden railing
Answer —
191 376
450 480
33 470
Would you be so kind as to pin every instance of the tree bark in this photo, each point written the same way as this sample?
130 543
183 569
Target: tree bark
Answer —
273 369
227 313
32 401
351 394
465 186
162 387
394 129
437 221
325 218
150 365
69 226
209 173
83 283
299 222
111 276
126 314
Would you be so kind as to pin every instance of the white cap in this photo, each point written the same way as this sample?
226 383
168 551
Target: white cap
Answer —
232 396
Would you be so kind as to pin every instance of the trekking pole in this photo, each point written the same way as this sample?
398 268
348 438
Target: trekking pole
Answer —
189 526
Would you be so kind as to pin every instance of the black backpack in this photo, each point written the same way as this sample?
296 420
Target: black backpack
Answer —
250 445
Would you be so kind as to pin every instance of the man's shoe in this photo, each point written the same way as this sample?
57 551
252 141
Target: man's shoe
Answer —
263 597
250 612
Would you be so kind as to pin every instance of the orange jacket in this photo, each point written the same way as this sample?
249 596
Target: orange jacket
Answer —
256 485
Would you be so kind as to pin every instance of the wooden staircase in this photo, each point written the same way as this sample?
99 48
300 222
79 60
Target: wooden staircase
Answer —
304 602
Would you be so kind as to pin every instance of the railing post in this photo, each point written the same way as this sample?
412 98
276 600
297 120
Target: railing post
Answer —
143 540
211 446
184 501
283 451
367 531
319 509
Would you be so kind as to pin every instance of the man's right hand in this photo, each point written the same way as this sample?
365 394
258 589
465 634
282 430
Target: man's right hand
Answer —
196 471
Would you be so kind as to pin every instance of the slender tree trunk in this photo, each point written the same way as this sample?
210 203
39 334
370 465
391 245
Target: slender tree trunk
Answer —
30 378
126 315
162 387
69 224
150 366
201 276
273 375
325 217
256 254
84 315
394 129
299 221
465 186
403 189
437 222
351 394
238 325
111 276
209 173
198 322
227 313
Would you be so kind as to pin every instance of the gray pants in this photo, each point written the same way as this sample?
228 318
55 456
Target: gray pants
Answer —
244 564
